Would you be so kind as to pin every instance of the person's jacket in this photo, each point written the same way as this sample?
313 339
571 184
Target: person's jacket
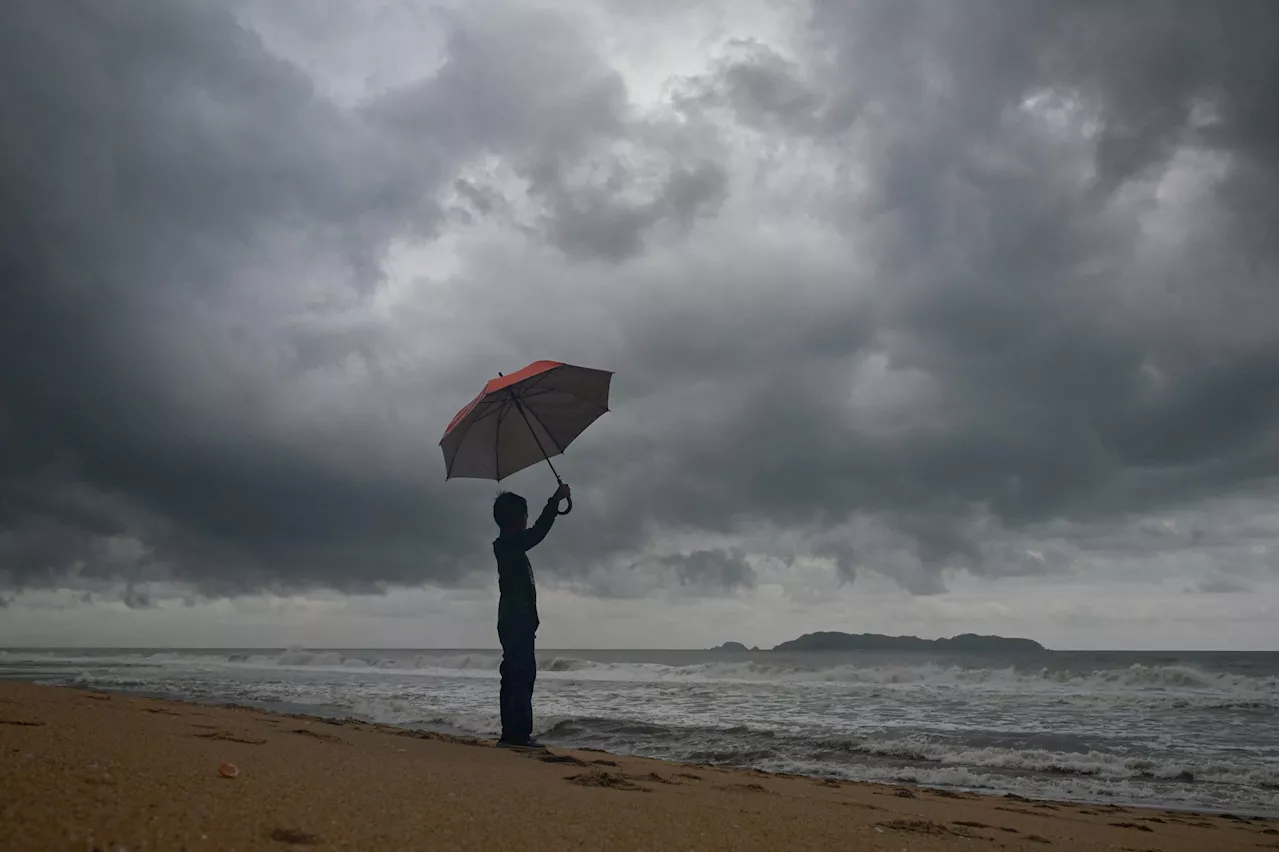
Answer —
516 593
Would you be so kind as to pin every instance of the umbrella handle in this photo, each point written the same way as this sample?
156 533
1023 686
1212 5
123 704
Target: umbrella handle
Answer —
567 509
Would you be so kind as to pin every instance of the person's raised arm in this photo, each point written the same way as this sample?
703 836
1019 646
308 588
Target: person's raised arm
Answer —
534 535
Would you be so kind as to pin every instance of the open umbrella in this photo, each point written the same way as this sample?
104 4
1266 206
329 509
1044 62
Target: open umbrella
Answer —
522 419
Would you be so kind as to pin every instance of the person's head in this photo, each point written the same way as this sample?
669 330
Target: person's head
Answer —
510 511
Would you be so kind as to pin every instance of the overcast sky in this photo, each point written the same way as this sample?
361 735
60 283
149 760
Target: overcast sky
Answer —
926 317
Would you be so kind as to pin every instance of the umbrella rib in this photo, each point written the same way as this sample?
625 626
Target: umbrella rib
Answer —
550 437
451 459
534 390
545 391
488 411
543 376
497 440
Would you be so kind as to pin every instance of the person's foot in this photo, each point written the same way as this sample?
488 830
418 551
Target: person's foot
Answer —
526 745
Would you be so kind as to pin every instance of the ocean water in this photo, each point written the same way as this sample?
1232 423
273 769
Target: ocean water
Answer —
1175 730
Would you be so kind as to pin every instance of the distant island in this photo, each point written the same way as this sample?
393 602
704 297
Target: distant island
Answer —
732 648
835 641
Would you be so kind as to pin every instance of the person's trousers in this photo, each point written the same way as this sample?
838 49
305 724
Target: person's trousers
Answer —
518 671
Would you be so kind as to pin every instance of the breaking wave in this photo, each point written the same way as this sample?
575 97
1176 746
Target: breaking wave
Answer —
1168 684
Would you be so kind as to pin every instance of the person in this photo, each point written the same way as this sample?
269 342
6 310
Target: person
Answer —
518 610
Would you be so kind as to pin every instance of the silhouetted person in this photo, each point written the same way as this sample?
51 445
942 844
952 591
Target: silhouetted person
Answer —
518 610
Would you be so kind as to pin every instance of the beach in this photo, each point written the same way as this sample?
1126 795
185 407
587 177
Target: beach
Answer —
88 769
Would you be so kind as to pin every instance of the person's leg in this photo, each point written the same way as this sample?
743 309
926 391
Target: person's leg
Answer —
530 674
524 669
507 691
518 670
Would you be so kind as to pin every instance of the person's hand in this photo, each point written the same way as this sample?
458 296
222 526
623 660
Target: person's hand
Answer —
562 493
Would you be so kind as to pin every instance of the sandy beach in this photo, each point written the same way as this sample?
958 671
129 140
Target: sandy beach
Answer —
89 770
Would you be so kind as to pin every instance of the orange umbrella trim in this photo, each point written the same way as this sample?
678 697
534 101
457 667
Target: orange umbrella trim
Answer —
501 383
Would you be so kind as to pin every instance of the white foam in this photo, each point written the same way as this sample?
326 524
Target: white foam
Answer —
1092 763
1128 791
1141 685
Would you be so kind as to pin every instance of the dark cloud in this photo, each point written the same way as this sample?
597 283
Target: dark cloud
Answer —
526 88
716 570
943 288
699 573
1072 377
1222 586
136 597
170 183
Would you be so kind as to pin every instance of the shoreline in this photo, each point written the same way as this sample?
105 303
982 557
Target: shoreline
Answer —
471 738
90 768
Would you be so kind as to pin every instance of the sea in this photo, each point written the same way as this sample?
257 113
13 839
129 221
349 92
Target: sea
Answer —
1175 730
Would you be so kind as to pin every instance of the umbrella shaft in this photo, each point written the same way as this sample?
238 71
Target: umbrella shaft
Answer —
519 407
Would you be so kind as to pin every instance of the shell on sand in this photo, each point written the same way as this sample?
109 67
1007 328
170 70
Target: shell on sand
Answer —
228 770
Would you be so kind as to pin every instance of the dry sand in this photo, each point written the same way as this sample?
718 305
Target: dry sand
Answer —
85 770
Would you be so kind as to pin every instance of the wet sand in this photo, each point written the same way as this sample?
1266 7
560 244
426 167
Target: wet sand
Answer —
88 770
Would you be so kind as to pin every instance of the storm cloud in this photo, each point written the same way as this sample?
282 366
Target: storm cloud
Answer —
905 286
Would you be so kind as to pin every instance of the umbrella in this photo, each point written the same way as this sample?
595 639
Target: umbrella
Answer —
522 419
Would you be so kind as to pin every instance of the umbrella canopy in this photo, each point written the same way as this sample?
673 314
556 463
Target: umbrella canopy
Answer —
522 419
